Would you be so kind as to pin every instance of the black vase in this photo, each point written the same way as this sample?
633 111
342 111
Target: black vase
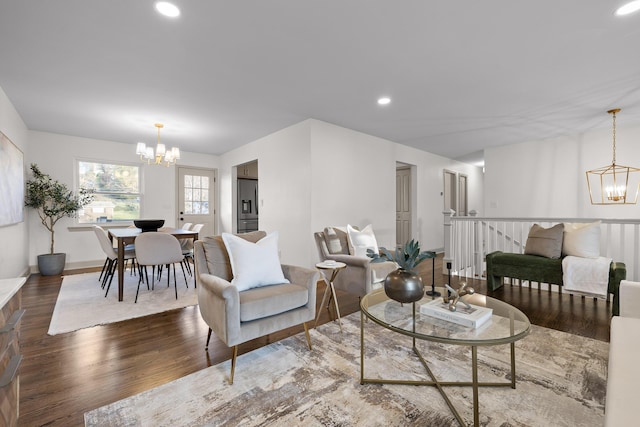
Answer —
404 286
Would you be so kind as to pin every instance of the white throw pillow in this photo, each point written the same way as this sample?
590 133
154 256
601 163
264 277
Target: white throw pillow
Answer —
581 240
254 264
360 241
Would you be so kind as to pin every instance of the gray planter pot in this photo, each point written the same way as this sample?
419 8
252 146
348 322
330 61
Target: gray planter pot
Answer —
404 286
51 264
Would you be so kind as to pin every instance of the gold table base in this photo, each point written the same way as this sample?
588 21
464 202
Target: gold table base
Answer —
474 383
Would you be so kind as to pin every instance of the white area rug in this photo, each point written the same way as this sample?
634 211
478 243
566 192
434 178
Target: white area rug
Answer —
81 302
561 381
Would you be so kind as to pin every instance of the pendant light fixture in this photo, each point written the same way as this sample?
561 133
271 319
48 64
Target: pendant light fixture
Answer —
161 156
613 184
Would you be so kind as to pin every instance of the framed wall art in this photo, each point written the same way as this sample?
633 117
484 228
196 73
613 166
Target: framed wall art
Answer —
11 182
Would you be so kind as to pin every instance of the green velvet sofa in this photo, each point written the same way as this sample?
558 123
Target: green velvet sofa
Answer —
542 270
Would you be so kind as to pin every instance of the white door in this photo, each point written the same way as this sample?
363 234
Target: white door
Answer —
196 198
450 191
403 206
462 195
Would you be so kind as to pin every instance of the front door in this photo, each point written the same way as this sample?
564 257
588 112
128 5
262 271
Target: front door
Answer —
196 198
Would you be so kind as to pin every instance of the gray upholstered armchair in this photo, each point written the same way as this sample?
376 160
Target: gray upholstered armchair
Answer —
239 316
361 276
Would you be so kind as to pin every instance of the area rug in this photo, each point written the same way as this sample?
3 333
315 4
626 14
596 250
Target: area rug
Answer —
561 381
81 302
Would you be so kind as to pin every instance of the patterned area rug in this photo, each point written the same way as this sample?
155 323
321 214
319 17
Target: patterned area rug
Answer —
561 381
81 302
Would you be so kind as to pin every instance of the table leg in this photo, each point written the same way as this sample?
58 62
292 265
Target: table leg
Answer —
120 269
324 296
474 375
335 301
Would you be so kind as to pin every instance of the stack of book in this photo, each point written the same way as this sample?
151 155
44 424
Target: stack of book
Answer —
465 316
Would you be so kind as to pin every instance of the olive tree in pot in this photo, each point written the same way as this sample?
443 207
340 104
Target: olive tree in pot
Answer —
403 284
53 201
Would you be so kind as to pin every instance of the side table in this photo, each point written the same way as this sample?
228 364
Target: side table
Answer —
334 267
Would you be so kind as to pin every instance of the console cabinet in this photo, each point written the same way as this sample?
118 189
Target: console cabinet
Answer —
11 313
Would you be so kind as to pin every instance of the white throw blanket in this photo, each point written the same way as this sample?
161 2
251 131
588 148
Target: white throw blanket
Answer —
586 276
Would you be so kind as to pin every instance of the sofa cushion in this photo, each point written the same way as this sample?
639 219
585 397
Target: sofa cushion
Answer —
546 242
254 264
582 240
265 301
360 241
215 252
336 240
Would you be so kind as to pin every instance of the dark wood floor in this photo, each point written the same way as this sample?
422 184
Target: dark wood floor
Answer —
65 375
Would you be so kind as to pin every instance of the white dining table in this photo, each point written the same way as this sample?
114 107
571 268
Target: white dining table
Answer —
126 236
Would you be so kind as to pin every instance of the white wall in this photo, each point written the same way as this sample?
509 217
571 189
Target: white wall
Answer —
284 178
314 174
547 178
14 252
430 185
56 155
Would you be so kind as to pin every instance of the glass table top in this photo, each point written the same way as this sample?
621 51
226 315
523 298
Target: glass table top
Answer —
507 324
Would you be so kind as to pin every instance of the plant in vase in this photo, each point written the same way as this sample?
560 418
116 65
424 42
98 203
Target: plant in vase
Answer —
52 201
403 284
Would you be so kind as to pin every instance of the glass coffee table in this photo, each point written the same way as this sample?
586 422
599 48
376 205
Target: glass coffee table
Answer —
506 326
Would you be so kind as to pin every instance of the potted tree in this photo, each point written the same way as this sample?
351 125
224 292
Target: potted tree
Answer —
53 201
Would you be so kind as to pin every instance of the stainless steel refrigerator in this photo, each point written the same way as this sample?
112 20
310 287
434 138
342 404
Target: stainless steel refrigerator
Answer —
247 205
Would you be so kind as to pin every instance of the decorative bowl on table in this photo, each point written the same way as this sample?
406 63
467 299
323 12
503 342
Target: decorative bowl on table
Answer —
148 224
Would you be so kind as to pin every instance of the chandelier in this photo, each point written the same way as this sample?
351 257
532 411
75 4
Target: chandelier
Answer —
161 156
613 184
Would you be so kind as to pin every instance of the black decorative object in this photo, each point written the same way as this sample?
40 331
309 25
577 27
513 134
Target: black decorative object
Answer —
433 292
403 285
148 224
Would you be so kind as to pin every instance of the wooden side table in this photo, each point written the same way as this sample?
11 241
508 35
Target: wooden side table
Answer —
334 267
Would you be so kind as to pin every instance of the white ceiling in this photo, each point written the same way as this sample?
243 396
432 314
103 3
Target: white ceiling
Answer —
463 75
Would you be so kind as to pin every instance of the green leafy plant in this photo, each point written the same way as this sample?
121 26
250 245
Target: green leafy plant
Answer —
53 200
407 257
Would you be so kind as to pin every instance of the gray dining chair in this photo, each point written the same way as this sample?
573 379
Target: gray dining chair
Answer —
111 262
158 249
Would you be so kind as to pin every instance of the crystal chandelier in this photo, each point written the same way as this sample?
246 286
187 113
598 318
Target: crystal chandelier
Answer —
161 156
613 184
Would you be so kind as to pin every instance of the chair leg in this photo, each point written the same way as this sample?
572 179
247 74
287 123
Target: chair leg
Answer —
140 280
233 363
175 281
206 346
104 267
112 272
306 332
183 275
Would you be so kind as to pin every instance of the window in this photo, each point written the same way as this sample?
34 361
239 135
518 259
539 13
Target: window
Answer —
196 195
116 190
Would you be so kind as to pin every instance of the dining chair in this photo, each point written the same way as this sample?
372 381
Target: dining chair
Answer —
187 226
187 248
111 263
158 249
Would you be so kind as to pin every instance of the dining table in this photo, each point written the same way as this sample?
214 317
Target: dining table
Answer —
127 236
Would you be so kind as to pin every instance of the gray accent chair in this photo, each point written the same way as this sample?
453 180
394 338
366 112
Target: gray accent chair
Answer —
237 317
360 276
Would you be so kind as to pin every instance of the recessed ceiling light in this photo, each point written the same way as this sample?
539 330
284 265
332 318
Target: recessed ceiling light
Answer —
384 100
167 9
628 8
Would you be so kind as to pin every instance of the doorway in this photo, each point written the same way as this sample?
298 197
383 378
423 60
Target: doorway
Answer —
247 209
196 198
403 204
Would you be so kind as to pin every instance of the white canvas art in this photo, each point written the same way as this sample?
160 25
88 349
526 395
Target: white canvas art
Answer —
11 182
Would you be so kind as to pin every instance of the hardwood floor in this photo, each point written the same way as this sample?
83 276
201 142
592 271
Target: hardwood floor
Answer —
65 375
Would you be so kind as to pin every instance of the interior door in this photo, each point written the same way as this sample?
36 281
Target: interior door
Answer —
403 206
196 198
450 191
462 195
